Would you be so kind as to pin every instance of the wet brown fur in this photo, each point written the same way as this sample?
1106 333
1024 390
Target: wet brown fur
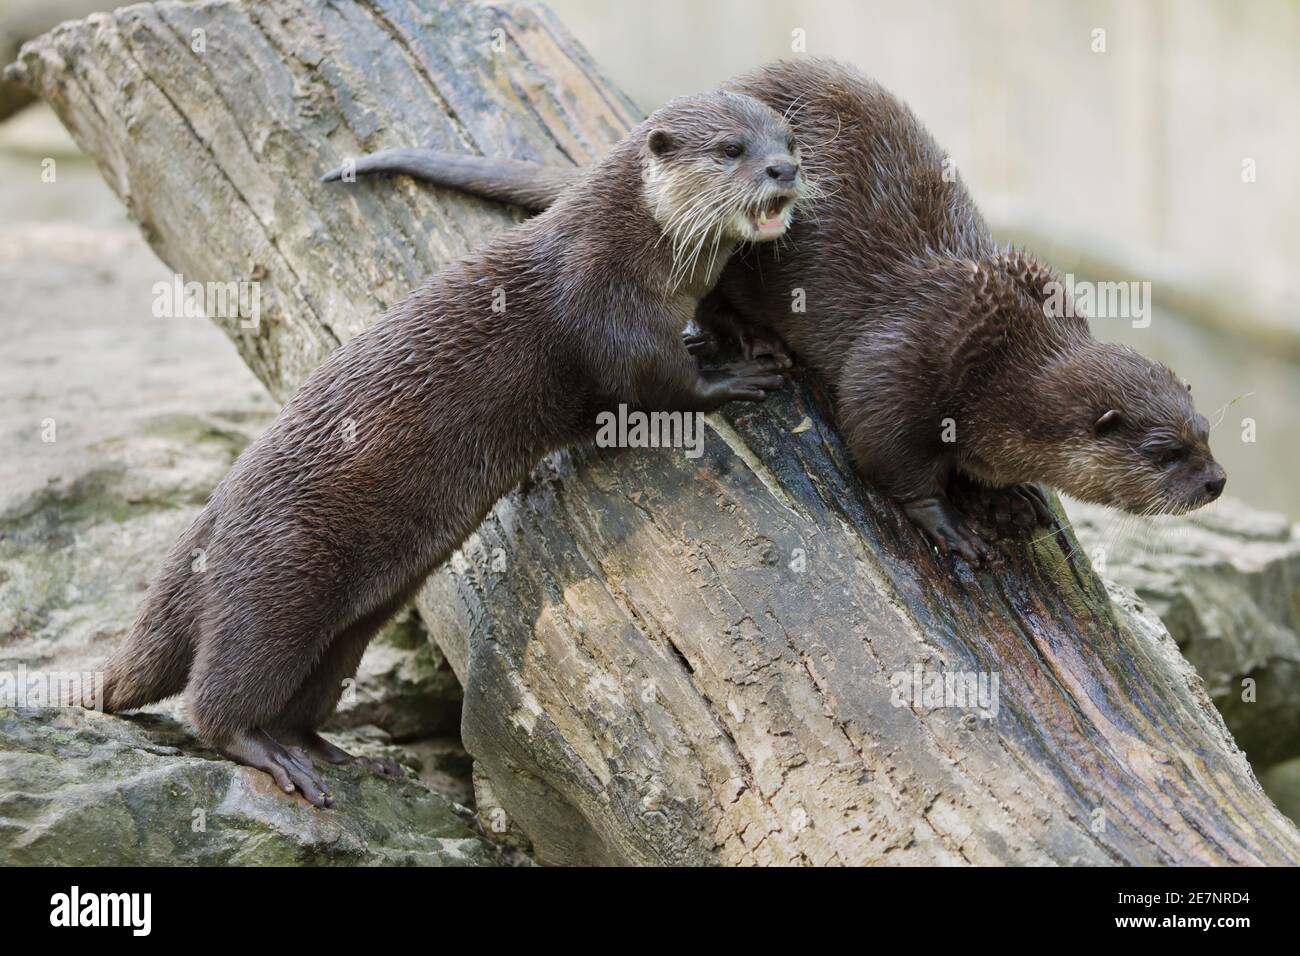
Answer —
395 448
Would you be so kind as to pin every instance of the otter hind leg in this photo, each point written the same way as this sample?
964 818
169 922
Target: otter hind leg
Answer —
316 699
248 667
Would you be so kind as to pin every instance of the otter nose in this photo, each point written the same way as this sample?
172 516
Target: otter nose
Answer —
1215 479
784 173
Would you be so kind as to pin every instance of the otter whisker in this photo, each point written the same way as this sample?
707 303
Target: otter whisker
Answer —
806 148
793 107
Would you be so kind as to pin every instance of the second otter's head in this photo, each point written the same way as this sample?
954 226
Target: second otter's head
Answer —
1133 439
720 168
1098 421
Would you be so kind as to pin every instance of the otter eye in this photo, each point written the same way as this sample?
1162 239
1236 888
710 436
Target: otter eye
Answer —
733 150
1171 456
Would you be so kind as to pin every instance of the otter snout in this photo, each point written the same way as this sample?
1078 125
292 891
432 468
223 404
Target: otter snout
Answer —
1215 480
1200 481
785 173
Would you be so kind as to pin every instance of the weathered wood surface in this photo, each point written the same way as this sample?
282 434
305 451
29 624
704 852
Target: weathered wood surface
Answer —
665 660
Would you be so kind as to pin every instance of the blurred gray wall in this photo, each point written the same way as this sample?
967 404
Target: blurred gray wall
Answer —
1140 144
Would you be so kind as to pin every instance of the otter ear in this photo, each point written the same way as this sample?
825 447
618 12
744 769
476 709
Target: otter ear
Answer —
1108 422
659 142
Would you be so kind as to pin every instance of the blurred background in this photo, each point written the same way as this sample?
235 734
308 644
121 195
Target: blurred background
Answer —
1151 141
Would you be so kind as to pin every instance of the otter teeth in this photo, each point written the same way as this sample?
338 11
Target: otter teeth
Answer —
768 219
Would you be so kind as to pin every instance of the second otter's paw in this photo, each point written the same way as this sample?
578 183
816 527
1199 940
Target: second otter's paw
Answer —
758 342
1020 507
947 529
700 344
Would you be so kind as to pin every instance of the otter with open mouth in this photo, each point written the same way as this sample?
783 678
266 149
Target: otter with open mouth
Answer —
395 448
770 219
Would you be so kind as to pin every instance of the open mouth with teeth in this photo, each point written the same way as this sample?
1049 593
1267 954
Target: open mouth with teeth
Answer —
769 219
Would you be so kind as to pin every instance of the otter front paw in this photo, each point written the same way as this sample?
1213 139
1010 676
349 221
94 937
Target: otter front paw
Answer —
748 381
1018 506
946 529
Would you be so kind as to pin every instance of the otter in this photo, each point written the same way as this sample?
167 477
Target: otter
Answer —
397 446
949 360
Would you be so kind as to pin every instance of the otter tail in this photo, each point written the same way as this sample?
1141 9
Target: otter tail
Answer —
532 186
154 662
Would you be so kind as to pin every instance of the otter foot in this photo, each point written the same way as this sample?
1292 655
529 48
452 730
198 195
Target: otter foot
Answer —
1038 503
322 749
747 381
947 529
290 767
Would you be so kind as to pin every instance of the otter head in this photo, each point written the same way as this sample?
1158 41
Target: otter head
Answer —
720 168
1134 440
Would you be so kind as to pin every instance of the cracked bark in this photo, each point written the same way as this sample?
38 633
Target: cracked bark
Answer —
666 660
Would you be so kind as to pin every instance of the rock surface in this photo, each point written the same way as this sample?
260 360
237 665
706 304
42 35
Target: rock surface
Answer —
20 20
404 686
83 788
147 414
1226 583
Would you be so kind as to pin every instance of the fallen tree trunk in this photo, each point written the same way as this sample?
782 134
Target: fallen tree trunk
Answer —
665 659
20 21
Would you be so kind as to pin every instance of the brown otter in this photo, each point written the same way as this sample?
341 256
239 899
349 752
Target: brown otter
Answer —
395 448
935 343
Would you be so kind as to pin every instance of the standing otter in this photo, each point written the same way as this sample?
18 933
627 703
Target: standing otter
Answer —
936 344
395 448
